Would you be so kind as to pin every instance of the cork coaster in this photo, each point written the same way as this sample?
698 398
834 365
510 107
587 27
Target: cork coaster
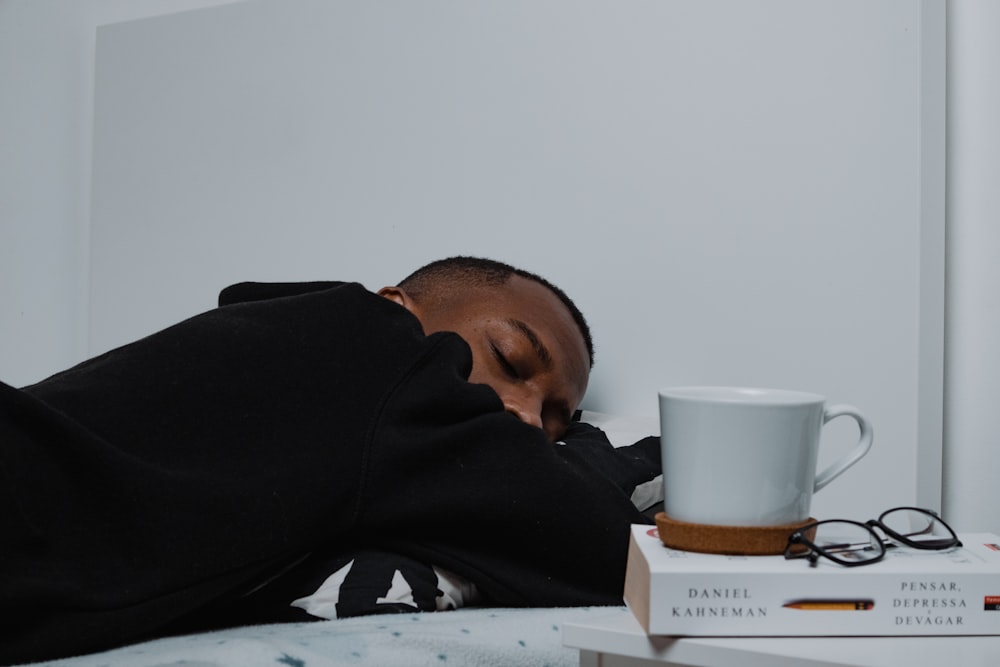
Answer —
731 540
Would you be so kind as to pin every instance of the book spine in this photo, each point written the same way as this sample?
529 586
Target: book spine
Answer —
809 603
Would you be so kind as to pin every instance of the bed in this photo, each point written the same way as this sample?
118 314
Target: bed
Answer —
456 632
474 636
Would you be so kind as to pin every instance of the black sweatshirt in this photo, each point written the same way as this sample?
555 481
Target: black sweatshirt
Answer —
153 487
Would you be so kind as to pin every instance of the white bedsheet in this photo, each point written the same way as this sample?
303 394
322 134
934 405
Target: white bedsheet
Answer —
465 637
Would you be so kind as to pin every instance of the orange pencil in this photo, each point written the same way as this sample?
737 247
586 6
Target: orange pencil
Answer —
831 605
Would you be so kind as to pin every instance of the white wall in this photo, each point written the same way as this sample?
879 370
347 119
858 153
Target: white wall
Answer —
46 73
735 193
46 102
972 435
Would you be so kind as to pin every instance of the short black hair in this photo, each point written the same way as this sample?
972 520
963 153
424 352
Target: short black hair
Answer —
465 271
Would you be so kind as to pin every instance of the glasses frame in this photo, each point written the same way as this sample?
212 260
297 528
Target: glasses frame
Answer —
801 545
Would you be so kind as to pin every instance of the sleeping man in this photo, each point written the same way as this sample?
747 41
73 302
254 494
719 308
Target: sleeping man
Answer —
219 470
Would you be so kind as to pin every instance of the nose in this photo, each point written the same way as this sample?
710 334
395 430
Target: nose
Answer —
524 408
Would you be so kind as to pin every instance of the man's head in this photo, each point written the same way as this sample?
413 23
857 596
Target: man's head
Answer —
529 342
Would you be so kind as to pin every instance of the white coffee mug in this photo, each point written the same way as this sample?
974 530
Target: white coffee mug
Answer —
735 456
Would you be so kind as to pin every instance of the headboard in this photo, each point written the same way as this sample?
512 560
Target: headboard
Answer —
734 193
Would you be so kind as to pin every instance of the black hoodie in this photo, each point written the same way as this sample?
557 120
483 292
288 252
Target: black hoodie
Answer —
157 485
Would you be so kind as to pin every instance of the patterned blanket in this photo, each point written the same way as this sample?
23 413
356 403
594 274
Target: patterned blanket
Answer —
467 637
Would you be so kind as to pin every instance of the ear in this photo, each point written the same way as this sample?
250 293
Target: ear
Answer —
400 296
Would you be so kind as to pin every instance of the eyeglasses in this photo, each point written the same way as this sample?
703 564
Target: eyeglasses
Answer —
853 543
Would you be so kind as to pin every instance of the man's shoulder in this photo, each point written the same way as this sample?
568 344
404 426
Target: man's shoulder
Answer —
248 291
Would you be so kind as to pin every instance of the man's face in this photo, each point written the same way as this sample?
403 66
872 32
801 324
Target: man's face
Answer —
525 345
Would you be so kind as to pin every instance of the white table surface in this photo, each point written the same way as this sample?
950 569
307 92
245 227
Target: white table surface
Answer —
618 640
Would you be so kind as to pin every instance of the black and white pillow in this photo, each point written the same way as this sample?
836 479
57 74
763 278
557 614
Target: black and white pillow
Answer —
380 582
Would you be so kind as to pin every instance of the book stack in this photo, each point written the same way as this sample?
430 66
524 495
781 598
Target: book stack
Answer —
909 592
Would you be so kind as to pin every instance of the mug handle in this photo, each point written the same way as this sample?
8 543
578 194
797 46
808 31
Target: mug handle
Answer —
852 457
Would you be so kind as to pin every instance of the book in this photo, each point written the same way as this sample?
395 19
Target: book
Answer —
909 592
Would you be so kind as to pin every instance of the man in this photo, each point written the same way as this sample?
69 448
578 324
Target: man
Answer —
205 474
539 370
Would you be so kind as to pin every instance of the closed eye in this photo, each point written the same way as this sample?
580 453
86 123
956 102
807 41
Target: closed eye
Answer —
507 367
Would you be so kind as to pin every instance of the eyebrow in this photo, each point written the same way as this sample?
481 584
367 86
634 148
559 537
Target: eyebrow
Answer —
536 344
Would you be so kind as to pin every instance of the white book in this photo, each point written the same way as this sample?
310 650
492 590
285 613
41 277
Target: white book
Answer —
909 592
